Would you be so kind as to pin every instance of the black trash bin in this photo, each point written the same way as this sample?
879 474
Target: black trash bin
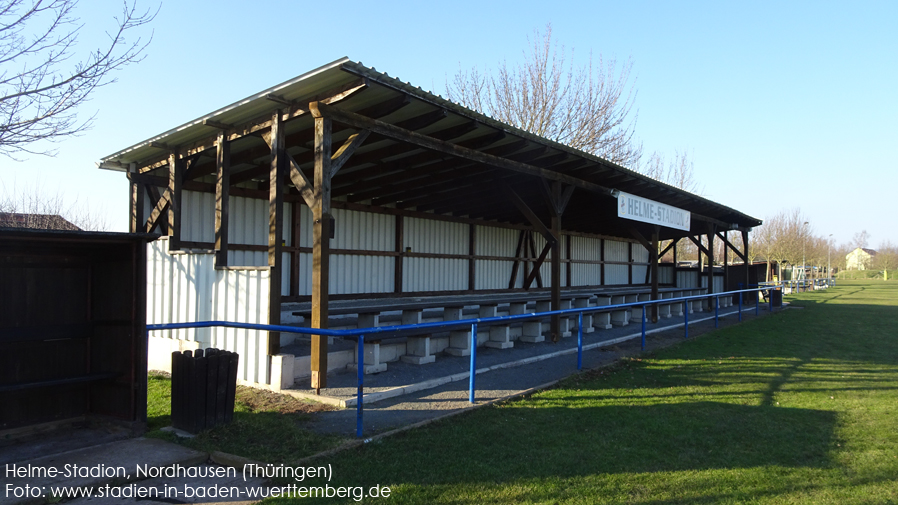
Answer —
203 387
776 297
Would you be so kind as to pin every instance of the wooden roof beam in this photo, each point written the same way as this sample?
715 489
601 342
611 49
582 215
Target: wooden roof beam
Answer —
452 170
408 171
320 109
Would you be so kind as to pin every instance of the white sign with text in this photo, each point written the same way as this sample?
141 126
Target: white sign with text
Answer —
649 211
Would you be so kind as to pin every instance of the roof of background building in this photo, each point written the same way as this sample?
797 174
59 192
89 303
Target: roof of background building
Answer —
36 221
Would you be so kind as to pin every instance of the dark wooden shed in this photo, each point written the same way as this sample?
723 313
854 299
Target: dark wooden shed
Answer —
72 326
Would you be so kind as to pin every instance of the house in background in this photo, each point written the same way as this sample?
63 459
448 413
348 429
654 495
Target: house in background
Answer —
860 259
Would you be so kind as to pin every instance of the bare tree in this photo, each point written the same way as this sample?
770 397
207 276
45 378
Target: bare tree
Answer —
678 171
861 239
586 107
34 207
785 238
886 256
43 80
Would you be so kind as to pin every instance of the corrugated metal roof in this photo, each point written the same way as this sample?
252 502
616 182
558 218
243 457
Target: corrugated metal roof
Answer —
391 172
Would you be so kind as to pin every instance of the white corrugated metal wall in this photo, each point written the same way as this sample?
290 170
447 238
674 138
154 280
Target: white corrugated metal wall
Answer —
436 237
718 282
186 287
248 225
495 274
351 273
617 251
640 255
687 279
666 274
586 274
367 231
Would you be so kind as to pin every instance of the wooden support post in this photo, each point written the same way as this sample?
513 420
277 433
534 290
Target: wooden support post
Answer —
472 236
527 254
745 258
175 183
138 194
295 235
222 197
653 259
568 266
400 240
710 259
602 258
277 170
556 210
321 234
726 262
556 278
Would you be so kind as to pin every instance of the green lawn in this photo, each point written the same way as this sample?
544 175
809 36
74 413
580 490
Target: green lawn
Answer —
797 407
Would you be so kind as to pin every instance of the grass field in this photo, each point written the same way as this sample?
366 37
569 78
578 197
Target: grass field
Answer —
798 407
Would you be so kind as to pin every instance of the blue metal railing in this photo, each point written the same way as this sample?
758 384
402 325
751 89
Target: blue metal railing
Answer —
360 333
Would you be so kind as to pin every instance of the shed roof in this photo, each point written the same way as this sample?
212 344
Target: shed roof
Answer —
386 171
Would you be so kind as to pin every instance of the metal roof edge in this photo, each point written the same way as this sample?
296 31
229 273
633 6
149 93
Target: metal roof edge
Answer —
255 96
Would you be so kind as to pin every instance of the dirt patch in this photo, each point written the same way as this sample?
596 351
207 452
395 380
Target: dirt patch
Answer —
261 400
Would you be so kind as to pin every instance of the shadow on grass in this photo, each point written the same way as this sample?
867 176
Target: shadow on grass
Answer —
554 454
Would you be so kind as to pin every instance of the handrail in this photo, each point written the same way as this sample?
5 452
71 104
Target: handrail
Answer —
436 324
360 333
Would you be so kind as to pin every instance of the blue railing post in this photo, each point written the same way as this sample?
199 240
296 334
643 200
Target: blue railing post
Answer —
716 311
580 341
359 411
686 321
740 305
643 327
473 362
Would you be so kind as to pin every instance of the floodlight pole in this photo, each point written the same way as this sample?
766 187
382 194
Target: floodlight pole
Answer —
804 241
829 265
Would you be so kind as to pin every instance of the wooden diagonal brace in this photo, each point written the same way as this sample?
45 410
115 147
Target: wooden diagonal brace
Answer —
158 211
302 183
698 244
536 266
642 240
539 276
342 155
668 248
190 167
731 246
517 260
529 214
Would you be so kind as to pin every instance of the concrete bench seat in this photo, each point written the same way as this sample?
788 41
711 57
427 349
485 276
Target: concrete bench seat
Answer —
418 348
602 320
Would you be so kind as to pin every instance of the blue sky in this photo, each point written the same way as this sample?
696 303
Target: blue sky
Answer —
782 104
